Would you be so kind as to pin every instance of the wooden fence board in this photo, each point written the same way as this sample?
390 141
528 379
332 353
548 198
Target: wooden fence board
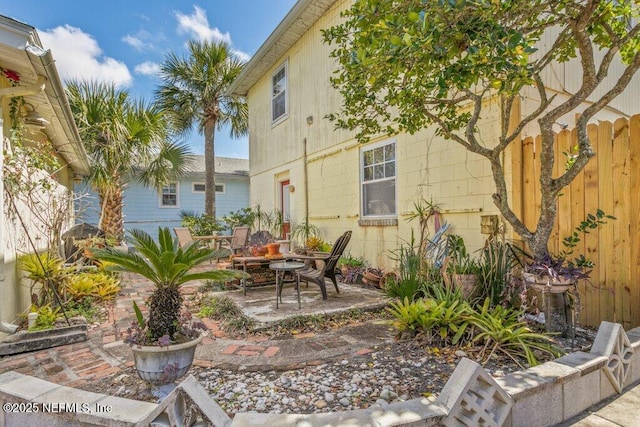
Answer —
619 259
611 182
634 217
604 240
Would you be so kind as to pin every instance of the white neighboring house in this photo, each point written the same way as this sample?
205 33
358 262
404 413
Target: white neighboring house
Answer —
28 74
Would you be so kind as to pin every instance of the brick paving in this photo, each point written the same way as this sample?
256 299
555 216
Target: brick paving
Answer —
105 354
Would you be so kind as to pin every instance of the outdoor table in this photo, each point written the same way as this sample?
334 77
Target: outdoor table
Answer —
282 267
243 261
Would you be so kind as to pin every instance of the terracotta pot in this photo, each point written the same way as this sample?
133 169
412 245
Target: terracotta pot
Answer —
162 365
273 248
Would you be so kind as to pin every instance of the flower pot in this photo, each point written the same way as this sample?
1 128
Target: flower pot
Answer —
554 284
371 279
162 365
273 249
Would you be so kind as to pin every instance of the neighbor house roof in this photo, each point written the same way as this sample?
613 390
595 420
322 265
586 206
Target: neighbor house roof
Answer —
224 166
21 51
303 15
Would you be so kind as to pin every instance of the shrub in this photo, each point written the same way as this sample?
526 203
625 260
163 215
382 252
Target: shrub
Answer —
46 319
502 330
100 284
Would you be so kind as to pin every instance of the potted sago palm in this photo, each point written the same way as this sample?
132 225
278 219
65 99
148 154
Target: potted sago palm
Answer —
164 344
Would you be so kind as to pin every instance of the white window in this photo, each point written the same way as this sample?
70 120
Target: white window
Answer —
279 102
378 179
169 196
199 187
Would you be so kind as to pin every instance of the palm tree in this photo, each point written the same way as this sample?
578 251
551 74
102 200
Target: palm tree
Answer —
123 136
167 266
194 92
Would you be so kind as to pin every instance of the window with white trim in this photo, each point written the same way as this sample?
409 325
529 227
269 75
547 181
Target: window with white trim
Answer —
169 195
200 187
378 180
279 101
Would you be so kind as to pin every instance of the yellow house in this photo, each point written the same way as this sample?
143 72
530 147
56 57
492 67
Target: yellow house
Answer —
31 92
300 164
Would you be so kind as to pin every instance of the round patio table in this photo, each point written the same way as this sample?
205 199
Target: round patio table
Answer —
282 267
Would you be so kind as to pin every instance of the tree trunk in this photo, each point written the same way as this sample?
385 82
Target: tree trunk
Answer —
210 168
111 221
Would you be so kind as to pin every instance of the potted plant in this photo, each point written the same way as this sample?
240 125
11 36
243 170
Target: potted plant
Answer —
164 344
461 269
372 276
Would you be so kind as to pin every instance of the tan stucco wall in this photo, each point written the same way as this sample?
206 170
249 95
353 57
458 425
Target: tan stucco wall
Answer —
428 167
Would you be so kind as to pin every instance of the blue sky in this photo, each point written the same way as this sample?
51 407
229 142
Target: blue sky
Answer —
124 41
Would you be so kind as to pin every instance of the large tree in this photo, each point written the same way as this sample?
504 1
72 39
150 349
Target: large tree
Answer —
194 92
124 138
409 64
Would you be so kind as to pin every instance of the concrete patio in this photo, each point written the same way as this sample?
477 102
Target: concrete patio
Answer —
259 304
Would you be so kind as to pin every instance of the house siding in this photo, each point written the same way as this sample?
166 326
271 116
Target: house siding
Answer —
427 166
142 204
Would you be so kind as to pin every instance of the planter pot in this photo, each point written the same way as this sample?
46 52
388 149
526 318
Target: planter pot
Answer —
468 283
162 365
371 279
273 249
556 284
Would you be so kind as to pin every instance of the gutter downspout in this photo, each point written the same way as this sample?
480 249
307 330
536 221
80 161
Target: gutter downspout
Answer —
306 181
12 92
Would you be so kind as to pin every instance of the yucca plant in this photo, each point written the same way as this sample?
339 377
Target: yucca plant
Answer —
168 267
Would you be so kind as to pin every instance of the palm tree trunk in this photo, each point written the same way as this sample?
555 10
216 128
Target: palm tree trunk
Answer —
210 168
111 221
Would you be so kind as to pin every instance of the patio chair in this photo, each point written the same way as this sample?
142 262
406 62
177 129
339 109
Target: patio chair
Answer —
238 240
325 265
184 236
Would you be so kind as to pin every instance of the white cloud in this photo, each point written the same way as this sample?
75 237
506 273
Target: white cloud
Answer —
197 25
134 42
243 56
147 68
78 56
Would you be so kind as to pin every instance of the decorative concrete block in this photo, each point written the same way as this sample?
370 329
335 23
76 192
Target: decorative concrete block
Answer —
472 397
188 404
612 342
606 388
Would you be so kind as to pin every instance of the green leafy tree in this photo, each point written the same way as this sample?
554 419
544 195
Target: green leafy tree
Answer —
410 64
194 92
123 136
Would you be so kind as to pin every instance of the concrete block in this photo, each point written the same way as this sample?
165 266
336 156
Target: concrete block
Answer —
558 373
472 397
543 408
522 384
187 404
580 394
634 369
606 388
584 362
612 342
24 387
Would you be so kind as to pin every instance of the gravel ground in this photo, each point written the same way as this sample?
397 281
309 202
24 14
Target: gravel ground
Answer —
394 371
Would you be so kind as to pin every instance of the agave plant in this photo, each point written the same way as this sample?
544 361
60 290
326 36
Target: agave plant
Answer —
167 266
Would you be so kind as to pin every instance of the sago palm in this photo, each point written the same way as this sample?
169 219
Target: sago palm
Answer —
194 93
167 266
124 138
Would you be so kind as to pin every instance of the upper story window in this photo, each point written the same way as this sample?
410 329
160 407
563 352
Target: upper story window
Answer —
378 180
169 195
279 101
199 187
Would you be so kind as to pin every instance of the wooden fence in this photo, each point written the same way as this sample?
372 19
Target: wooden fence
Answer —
611 182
